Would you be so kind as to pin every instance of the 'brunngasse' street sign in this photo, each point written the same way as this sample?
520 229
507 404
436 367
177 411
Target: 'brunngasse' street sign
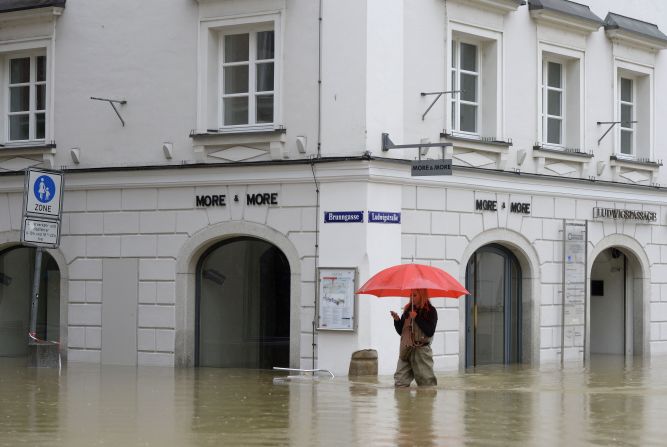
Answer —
42 200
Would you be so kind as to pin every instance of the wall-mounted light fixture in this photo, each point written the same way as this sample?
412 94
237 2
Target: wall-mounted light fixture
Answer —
75 153
520 156
424 150
301 144
168 150
600 167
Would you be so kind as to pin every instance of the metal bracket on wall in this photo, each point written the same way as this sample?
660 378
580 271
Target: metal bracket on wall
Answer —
436 98
613 123
111 103
388 144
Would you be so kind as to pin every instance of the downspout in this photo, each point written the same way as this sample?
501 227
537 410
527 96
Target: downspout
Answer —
317 185
317 254
319 81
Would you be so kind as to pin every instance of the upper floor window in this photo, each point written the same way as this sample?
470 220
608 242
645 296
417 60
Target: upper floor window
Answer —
26 98
560 93
633 110
626 105
553 93
475 70
465 76
239 82
248 77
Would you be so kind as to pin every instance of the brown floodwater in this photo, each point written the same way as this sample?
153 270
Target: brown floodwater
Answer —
609 402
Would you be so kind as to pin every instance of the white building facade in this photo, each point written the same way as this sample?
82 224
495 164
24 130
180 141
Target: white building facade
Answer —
221 157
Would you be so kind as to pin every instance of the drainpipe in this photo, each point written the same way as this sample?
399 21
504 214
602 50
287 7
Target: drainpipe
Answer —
317 185
319 81
317 253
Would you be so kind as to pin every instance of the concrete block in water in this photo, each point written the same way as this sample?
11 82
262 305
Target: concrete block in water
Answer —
364 363
43 356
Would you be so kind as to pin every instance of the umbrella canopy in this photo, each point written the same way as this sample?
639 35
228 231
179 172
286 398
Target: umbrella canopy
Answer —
400 280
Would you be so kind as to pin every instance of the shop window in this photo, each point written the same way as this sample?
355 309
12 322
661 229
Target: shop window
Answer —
243 306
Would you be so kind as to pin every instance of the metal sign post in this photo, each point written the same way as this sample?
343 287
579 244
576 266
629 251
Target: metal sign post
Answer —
422 167
40 227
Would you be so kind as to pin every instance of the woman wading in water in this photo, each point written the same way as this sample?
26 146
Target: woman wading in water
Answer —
416 327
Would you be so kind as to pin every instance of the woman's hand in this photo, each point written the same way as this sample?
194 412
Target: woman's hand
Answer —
413 314
394 315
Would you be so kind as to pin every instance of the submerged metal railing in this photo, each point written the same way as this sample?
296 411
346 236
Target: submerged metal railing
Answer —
304 370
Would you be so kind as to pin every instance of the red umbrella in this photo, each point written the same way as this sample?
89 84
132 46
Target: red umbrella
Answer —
400 280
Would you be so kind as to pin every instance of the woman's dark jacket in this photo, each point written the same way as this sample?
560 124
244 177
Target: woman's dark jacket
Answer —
426 319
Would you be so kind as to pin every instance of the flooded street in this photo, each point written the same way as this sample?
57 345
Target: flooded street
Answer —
609 403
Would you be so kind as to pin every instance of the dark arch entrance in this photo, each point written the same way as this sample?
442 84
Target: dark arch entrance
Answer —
17 265
493 308
243 305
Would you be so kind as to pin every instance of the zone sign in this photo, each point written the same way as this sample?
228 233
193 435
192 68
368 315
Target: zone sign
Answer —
43 193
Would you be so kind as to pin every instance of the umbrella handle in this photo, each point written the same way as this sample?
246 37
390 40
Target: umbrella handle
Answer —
412 322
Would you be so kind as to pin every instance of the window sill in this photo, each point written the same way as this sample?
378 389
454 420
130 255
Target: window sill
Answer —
16 157
563 162
562 154
652 165
27 148
486 152
484 144
211 133
634 170
239 145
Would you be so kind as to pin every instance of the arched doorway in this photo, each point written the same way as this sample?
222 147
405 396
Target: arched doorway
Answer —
17 265
243 305
616 303
493 308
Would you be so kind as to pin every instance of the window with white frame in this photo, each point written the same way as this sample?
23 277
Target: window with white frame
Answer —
561 102
626 110
634 110
475 70
465 76
248 77
553 94
26 97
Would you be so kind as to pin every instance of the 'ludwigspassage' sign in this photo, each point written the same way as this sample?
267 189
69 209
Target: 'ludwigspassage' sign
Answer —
621 214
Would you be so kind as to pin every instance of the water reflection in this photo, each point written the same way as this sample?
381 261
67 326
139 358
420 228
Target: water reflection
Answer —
609 402
415 417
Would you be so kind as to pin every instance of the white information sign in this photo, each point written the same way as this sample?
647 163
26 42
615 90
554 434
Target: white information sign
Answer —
43 193
336 303
574 288
40 232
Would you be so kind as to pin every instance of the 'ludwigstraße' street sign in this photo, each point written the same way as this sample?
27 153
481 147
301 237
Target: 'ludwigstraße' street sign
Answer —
431 167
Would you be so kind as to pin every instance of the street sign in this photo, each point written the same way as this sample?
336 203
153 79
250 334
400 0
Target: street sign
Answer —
43 193
431 167
42 199
41 233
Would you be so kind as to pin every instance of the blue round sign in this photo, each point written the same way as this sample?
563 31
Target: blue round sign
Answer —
44 189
